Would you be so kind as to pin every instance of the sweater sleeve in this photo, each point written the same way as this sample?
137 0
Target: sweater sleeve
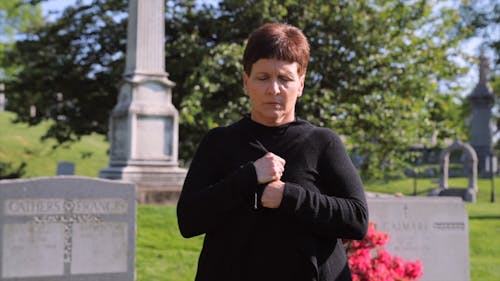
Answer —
340 210
208 197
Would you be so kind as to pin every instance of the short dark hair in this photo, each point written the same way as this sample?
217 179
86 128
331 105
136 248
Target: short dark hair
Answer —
276 41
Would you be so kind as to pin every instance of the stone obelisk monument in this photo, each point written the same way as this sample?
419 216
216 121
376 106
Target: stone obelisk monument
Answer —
144 123
482 100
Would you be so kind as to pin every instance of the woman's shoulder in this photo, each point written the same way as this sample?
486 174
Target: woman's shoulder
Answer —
216 131
222 132
321 133
213 140
215 134
327 140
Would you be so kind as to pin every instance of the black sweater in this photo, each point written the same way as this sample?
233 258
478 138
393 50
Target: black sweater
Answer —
323 202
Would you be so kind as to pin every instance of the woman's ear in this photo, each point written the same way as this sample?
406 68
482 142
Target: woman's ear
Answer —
245 82
302 81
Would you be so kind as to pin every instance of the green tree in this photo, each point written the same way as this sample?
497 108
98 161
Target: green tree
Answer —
375 75
483 19
15 19
71 68
374 72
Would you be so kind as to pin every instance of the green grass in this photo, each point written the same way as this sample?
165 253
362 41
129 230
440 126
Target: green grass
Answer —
484 239
163 255
21 143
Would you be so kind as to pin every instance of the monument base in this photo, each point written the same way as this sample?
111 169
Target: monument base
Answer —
467 194
155 185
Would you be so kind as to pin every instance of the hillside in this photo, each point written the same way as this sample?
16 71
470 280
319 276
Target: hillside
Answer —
21 143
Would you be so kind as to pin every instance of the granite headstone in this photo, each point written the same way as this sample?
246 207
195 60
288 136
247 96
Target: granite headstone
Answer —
2 99
65 168
433 230
67 228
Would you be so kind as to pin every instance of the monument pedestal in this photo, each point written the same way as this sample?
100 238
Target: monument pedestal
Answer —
155 185
144 138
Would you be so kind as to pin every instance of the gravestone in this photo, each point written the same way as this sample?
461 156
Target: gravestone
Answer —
65 168
470 163
2 100
431 229
67 228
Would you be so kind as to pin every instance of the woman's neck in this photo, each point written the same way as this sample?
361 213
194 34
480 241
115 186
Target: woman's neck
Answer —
273 122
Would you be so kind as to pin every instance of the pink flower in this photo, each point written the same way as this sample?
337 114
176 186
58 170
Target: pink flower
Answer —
398 267
375 238
360 260
413 270
384 256
369 261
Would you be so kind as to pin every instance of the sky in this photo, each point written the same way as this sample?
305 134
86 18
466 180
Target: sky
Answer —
55 6
52 8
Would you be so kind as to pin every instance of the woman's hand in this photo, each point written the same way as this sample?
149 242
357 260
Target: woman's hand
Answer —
269 167
273 194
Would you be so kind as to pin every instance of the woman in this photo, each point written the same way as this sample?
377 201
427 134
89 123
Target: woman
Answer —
273 194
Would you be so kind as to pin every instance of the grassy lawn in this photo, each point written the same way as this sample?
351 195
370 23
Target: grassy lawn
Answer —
484 237
21 143
163 255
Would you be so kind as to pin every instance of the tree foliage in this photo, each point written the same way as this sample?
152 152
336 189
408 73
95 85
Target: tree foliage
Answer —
7 171
70 69
375 75
483 19
15 19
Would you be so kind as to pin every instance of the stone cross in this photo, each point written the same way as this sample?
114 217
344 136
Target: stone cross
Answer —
68 218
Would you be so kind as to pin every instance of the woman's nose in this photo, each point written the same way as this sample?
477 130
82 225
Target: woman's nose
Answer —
274 87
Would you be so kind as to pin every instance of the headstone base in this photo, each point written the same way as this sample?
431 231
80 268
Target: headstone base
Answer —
467 194
155 185
158 195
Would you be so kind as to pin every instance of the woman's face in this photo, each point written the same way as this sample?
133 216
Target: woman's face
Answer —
273 86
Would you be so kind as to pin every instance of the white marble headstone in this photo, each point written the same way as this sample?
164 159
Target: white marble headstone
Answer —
67 228
432 229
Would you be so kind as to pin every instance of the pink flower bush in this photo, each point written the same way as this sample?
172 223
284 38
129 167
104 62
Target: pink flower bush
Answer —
369 261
